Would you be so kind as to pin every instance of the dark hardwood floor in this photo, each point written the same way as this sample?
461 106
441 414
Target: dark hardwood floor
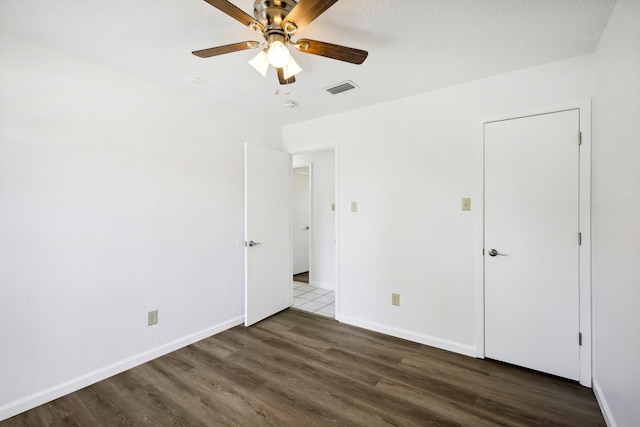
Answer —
297 369
302 277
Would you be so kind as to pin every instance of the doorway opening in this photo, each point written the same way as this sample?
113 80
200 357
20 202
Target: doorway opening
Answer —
313 232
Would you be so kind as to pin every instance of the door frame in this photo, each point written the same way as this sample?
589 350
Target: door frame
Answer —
336 185
584 270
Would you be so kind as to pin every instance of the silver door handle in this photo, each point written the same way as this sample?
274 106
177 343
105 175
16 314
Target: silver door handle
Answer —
252 243
493 252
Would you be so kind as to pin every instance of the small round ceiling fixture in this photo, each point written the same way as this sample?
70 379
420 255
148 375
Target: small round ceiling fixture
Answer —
289 104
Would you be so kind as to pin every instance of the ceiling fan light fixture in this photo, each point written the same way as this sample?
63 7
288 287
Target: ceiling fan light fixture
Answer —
260 63
278 54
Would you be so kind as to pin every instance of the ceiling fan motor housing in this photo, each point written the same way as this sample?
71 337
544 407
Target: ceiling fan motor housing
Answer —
271 13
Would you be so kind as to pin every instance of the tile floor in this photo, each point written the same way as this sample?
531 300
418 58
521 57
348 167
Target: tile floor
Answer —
315 300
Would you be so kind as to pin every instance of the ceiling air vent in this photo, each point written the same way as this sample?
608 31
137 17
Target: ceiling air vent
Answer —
341 87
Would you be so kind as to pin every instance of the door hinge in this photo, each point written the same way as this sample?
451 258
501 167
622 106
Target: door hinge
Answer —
579 239
579 138
579 338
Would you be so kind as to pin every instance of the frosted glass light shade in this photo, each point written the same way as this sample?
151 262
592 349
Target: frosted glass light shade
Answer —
291 69
260 63
278 54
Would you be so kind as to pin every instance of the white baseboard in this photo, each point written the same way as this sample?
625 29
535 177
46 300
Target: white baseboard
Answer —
29 402
321 285
604 406
466 350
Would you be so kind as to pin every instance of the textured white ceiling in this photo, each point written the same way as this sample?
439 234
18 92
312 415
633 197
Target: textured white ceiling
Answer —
414 45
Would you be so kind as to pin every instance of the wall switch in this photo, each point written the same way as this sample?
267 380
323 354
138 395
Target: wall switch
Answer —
152 317
354 206
395 299
466 204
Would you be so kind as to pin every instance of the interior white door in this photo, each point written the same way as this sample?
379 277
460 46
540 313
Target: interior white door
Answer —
267 251
301 218
531 220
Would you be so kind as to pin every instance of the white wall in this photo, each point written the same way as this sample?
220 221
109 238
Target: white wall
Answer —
116 197
616 227
322 266
408 163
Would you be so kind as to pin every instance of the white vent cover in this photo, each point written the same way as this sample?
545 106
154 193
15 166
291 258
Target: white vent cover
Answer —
341 87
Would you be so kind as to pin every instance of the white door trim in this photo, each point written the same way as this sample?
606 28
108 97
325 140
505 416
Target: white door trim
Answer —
584 106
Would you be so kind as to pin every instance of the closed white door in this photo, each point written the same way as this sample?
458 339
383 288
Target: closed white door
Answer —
532 242
301 218
267 253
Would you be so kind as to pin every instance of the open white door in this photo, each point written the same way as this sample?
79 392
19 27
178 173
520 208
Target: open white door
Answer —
267 255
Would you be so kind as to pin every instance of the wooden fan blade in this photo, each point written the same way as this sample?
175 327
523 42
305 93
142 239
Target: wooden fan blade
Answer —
333 51
305 12
236 13
221 50
284 81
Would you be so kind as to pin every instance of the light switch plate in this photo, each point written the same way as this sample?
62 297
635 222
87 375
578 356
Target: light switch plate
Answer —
466 204
152 317
395 299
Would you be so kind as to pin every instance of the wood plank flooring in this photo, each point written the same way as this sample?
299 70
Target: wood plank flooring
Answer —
298 369
301 277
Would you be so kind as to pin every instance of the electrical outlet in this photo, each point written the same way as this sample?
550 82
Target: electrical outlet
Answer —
152 317
395 299
466 204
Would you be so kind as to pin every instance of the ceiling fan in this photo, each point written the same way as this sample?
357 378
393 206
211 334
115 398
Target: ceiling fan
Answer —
278 21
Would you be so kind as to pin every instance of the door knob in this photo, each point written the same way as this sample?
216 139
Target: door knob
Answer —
493 252
252 243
